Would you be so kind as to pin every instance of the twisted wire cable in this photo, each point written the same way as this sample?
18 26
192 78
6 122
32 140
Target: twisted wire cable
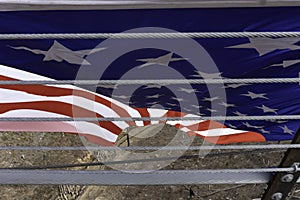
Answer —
216 118
151 148
157 81
140 177
33 36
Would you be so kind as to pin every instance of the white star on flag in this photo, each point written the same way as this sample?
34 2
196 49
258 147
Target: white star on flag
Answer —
284 64
178 99
239 114
235 85
264 131
267 109
162 60
189 91
59 53
211 99
287 130
251 126
199 74
156 96
253 95
266 45
227 105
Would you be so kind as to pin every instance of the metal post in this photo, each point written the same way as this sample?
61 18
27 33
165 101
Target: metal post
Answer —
282 183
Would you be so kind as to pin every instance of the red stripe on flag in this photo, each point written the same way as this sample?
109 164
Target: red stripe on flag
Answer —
236 138
144 113
51 91
171 113
60 108
203 126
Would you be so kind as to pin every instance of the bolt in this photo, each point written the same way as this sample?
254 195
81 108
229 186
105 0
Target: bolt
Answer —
296 165
277 196
287 178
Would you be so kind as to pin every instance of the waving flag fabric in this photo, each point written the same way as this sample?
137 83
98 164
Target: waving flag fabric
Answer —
235 58
69 101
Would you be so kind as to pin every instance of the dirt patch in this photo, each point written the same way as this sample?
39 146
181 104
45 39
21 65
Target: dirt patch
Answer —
137 138
38 158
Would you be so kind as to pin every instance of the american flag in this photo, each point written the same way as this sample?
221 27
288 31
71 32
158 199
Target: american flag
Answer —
50 59
71 101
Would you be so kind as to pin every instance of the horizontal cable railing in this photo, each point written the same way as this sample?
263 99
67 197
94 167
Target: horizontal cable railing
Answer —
156 81
149 148
105 119
138 177
172 35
